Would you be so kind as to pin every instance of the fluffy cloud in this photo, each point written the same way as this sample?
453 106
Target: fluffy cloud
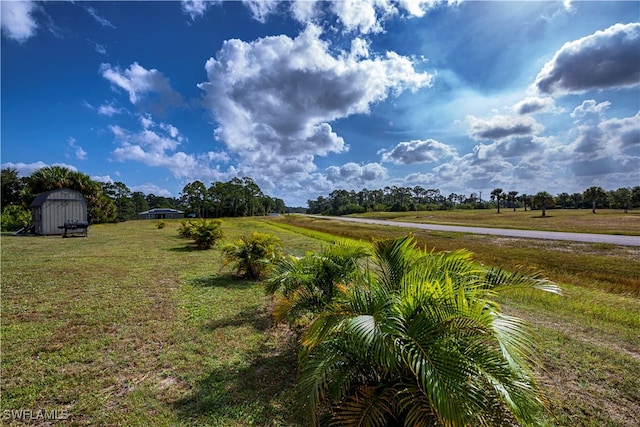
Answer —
617 139
502 127
26 169
516 146
418 151
142 84
78 150
353 173
534 104
156 144
261 9
605 59
360 16
17 20
273 98
590 111
196 8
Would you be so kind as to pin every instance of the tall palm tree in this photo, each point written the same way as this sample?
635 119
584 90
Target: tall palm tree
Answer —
593 194
419 341
512 198
543 200
497 195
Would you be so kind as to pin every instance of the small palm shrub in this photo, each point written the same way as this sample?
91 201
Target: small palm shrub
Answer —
161 225
206 233
253 255
416 339
305 286
185 229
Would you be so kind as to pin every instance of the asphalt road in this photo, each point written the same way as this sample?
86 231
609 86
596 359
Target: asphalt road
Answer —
527 234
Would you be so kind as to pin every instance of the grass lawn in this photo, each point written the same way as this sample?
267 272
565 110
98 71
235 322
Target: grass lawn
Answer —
132 326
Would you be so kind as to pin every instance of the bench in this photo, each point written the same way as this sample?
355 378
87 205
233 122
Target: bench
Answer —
75 227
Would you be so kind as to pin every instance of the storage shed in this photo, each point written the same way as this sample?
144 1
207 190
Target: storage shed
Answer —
50 210
161 213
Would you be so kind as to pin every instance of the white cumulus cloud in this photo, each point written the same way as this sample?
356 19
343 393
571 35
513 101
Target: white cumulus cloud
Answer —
156 145
605 59
274 98
418 151
502 127
141 84
17 19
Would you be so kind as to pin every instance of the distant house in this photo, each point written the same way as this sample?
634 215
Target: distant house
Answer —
161 213
50 210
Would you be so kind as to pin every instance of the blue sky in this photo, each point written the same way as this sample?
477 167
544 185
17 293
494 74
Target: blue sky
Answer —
307 97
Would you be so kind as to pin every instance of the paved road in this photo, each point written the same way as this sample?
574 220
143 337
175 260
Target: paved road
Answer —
529 234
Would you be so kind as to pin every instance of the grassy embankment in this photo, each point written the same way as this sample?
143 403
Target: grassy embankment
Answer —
133 327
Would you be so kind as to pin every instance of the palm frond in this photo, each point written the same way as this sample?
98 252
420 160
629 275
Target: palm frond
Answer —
497 279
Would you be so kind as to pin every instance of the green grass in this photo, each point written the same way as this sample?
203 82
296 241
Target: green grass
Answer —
134 326
606 221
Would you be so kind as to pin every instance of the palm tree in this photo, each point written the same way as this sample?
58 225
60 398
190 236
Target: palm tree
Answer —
497 194
524 198
593 194
253 255
307 285
543 199
512 198
419 341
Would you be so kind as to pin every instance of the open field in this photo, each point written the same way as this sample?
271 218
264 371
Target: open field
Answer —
131 326
607 221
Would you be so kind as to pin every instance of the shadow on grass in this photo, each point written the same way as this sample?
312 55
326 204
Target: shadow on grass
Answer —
257 392
187 248
228 280
257 317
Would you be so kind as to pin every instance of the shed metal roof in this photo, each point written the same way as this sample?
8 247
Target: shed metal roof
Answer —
161 211
42 197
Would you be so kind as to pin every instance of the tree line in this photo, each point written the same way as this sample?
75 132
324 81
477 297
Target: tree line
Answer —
114 201
400 199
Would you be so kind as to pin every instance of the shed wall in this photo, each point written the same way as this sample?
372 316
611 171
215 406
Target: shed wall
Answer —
60 206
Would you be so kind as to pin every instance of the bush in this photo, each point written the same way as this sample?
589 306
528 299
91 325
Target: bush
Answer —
206 233
14 218
253 255
185 229
160 225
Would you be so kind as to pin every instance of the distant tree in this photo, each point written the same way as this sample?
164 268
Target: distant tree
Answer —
193 196
543 200
513 198
12 187
577 199
139 202
621 198
635 196
525 199
121 196
593 195
563 198
497 194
